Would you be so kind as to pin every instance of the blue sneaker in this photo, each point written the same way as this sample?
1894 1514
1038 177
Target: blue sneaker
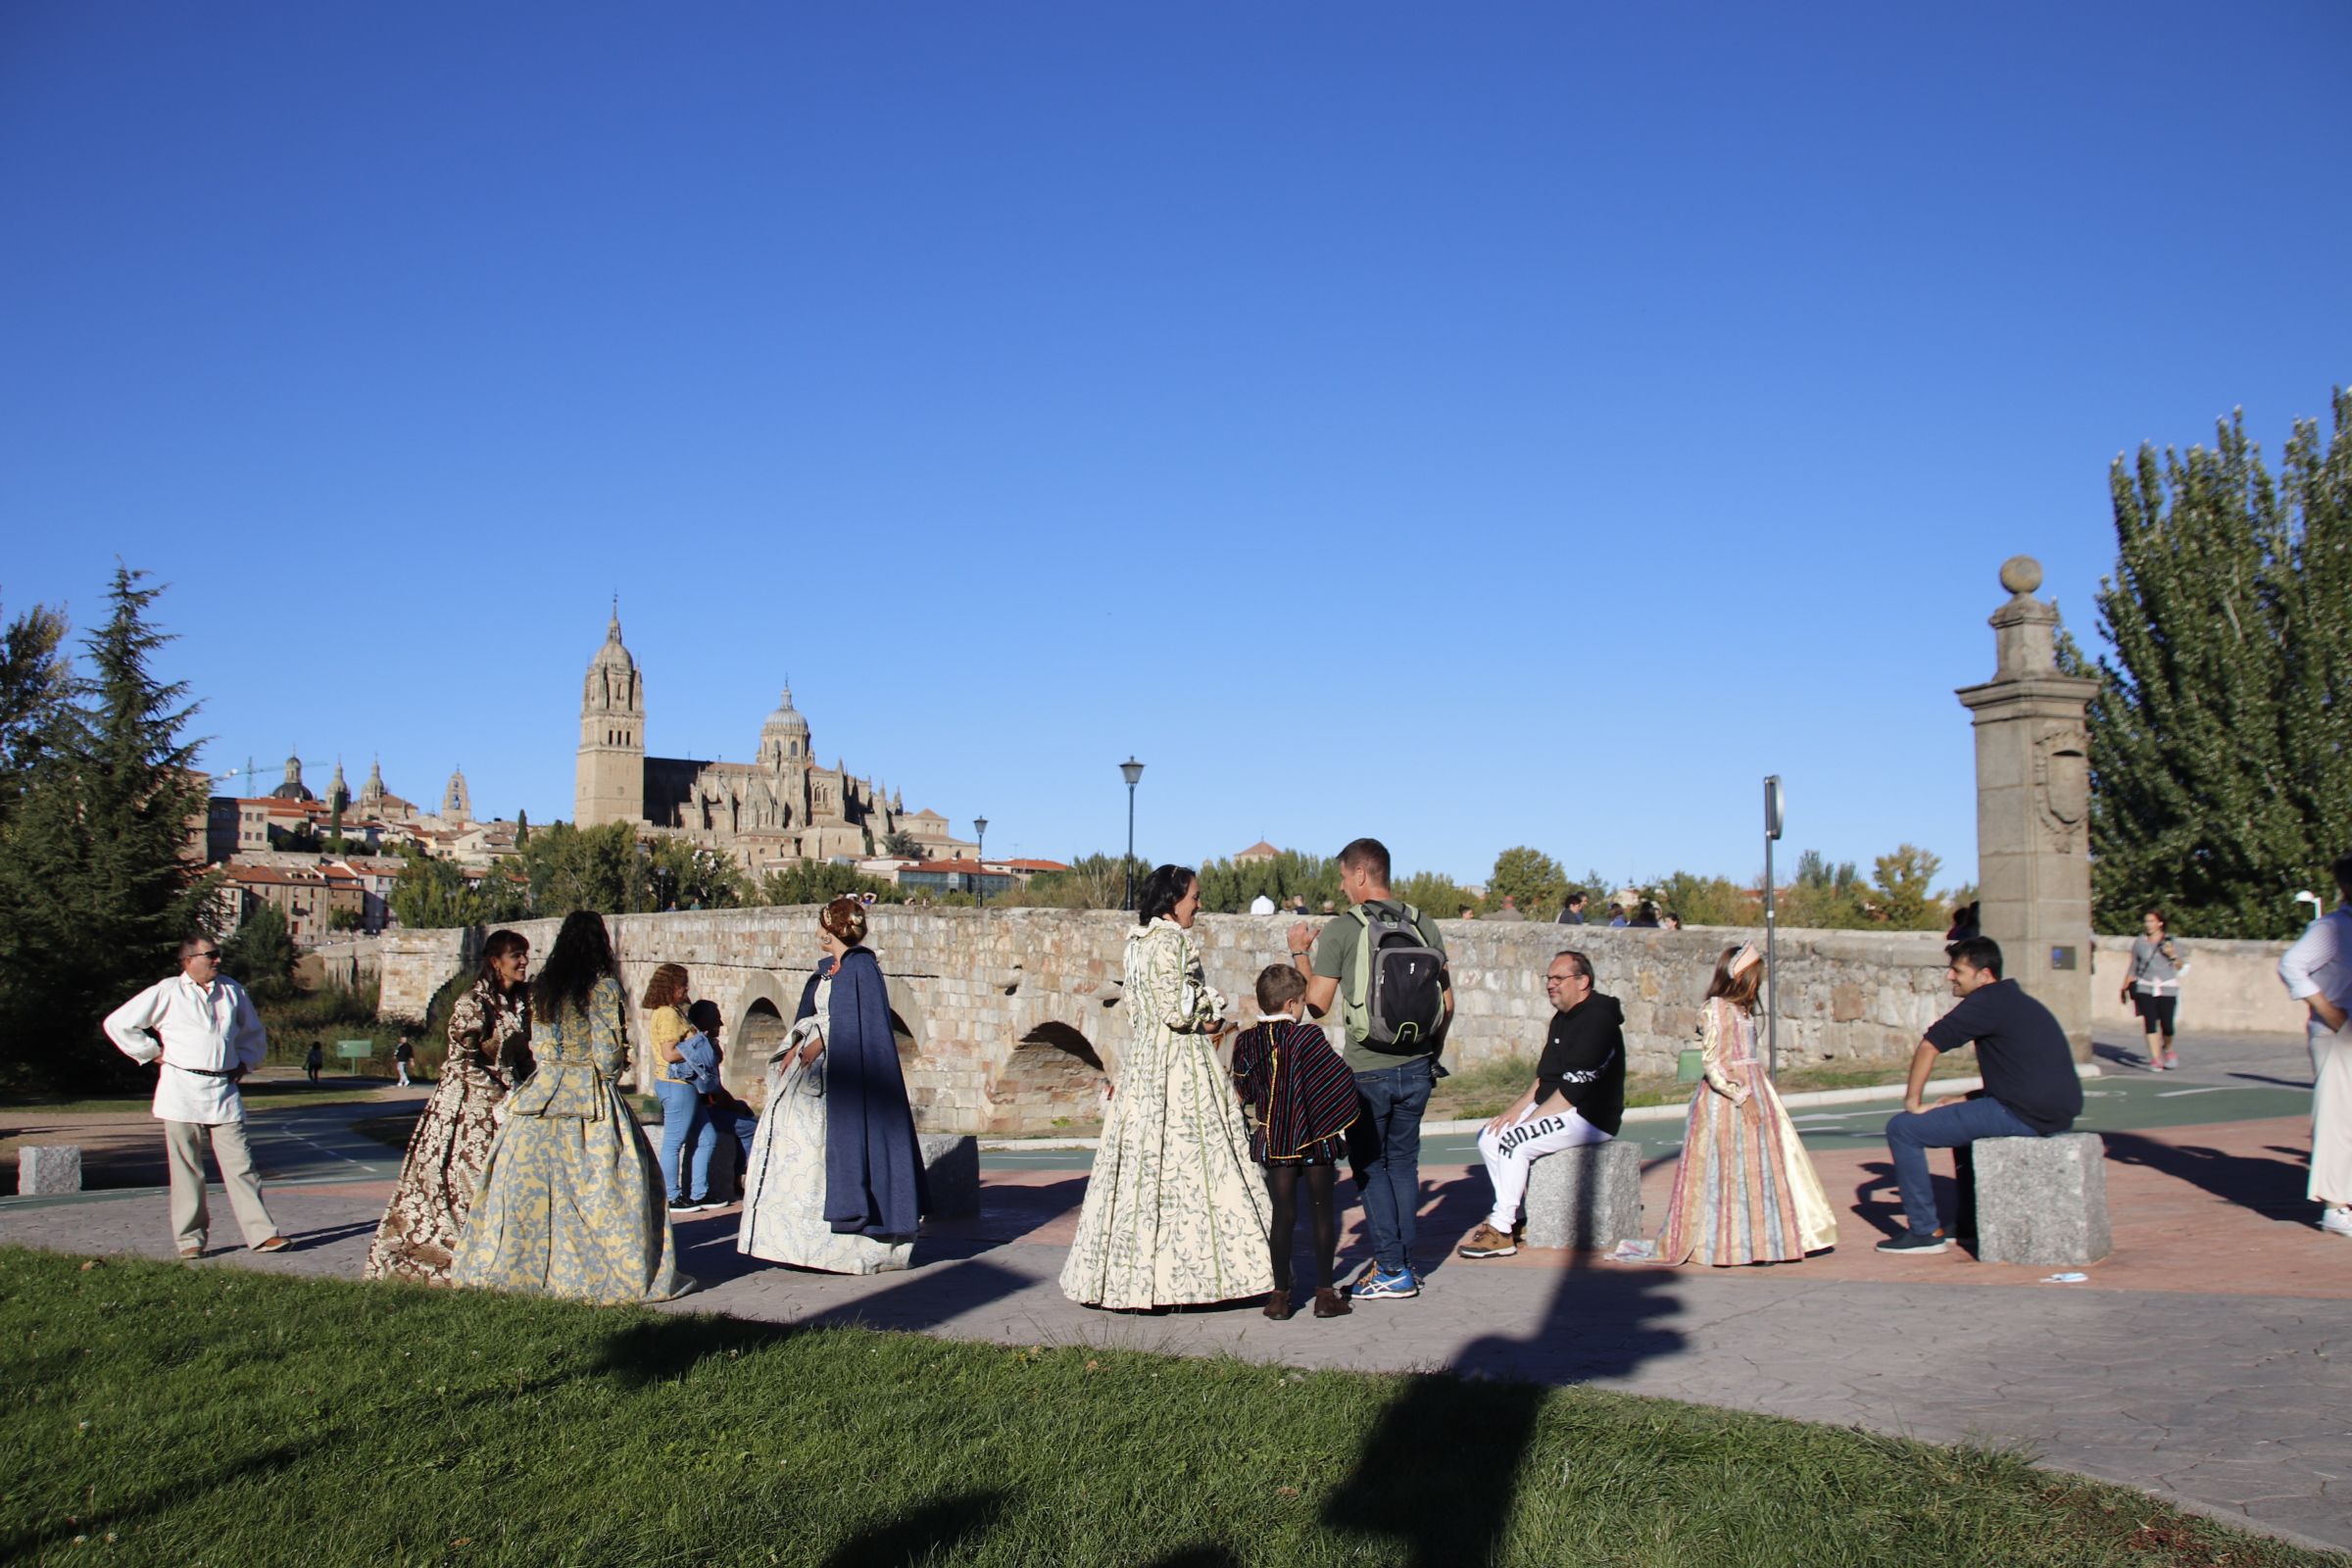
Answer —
1378 1285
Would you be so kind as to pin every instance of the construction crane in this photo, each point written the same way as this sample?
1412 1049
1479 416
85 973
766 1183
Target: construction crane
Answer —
248 772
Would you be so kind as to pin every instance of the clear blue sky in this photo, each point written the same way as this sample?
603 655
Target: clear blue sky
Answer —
1472 425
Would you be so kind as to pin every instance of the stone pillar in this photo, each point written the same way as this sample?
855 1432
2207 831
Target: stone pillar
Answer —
2034 805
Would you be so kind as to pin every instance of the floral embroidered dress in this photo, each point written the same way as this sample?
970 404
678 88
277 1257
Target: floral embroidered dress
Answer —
1174 1211
489 1053
571 1201
1745 1190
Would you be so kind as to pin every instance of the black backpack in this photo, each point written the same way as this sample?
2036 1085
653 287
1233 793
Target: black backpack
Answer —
1400 985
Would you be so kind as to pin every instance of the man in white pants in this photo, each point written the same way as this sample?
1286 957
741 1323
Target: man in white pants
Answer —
1577 1098
201 1026
2317 972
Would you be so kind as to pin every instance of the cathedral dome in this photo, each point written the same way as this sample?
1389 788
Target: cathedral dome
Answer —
786 719
293 789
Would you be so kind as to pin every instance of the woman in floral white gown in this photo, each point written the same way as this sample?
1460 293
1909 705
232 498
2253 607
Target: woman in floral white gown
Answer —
1175 1211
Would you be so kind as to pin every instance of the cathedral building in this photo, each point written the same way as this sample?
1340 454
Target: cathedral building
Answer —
768 812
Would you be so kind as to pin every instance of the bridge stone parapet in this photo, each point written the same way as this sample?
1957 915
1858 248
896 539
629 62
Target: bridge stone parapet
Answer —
1005 1013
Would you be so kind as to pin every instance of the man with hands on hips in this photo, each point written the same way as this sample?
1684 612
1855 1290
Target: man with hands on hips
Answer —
201 1030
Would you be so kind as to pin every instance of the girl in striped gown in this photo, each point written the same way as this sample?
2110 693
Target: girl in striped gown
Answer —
1746 1192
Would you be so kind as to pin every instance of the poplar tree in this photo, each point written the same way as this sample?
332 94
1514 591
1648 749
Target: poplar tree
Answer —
2220 776
99 880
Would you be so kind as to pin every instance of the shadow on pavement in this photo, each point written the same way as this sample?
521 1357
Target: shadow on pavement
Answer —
2271 1187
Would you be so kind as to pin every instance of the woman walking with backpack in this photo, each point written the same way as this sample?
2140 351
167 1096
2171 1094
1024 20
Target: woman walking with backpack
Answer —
1174 1214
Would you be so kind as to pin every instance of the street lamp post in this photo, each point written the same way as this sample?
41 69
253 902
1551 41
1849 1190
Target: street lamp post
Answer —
980 860
1134 771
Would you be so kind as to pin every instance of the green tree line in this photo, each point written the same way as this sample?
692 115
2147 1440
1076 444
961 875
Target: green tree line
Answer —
2220 737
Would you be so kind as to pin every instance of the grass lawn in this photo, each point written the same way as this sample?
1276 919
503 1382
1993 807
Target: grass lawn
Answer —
162 1414
261 1094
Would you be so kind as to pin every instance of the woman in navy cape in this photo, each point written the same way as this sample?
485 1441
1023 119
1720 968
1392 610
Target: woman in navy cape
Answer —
836 1177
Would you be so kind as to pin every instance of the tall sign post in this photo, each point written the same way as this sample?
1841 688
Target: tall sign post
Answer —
1773 804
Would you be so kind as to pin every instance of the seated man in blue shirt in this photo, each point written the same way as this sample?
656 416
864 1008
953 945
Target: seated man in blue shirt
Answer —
2031 1087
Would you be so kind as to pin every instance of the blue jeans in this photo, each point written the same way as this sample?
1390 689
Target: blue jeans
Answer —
684 1119
1384 1147
1911 1134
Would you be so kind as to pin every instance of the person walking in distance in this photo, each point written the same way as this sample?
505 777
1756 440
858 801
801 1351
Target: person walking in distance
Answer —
1384 965
401 1054
2153 988
199 1027
2317 972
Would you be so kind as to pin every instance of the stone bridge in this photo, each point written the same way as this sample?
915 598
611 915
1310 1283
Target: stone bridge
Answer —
1002 1013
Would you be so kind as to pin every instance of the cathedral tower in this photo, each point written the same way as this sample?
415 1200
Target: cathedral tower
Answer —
456 802
609 782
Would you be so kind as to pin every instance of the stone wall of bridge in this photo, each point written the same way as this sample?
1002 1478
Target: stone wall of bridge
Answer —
1000 1010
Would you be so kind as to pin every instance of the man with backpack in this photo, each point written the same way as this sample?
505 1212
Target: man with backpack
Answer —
1384 965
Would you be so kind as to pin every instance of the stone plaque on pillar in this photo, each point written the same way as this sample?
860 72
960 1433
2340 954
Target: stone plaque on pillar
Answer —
2034 805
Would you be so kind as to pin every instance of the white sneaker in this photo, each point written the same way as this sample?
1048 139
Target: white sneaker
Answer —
2337 1221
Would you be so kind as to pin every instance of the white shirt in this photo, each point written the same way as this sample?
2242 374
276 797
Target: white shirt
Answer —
1262 904
2319 963
189 1026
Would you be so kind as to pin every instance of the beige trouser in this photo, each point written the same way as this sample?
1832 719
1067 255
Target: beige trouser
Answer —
183 1149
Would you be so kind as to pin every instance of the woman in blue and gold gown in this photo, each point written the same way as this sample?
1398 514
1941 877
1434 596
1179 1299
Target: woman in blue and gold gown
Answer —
571 1201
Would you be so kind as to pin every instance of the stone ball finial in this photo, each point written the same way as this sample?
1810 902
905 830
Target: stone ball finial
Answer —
2021 574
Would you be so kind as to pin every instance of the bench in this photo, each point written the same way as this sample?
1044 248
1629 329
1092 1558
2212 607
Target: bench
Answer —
2035 1200
1587 1196
48 1168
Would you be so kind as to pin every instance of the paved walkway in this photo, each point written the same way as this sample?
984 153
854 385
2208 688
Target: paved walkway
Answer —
2209 1359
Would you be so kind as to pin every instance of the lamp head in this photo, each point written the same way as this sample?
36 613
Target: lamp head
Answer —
980 826
1132 770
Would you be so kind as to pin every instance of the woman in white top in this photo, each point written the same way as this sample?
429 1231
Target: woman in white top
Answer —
2153 988
2317 972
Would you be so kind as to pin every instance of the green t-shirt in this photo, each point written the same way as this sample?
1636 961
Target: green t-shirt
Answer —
1336 957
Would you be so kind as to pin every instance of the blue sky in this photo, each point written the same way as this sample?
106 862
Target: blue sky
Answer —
1472 425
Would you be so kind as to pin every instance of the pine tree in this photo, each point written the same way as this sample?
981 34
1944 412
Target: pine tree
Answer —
34 679
98 879
2219 735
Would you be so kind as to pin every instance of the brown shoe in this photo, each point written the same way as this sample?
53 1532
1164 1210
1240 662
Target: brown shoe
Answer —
1278 1306
1487 1241
1329 1302
275 1244
192 1253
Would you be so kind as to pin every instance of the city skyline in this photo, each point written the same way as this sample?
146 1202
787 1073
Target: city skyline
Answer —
1630 405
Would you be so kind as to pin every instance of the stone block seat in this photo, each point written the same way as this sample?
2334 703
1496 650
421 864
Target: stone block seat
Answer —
2040 1199
952 1173
49 1168
1590 1197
